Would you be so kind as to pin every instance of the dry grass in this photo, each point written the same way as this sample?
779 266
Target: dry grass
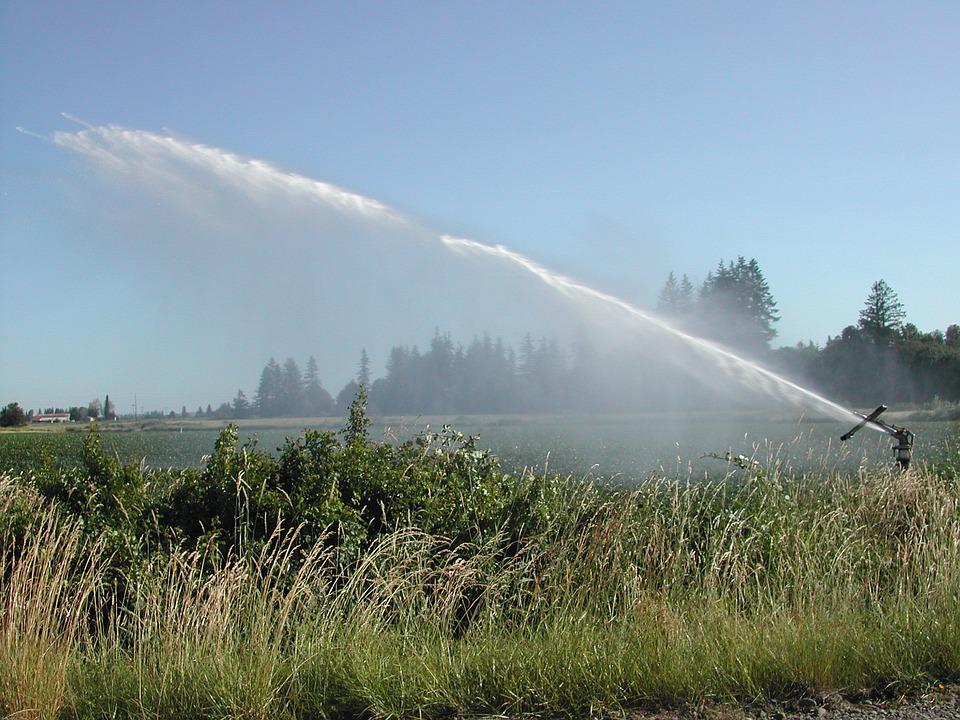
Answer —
673 593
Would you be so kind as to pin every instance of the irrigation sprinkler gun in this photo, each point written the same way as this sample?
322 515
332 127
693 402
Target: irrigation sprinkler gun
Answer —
904 438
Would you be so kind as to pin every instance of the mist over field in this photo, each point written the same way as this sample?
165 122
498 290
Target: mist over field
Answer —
268 262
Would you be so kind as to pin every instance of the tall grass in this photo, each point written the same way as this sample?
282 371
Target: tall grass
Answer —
675 592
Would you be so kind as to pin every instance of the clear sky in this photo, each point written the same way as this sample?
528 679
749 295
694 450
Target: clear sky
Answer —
614 142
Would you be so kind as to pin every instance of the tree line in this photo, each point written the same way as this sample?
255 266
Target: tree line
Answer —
12 415
880 358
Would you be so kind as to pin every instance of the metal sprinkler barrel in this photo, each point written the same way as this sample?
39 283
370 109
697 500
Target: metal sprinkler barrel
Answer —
904 438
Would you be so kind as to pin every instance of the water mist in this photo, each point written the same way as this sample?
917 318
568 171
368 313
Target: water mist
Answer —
159 159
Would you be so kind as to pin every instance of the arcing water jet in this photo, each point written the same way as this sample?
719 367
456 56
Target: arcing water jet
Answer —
154 157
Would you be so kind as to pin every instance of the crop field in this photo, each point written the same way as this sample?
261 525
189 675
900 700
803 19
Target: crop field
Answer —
626 448
347 578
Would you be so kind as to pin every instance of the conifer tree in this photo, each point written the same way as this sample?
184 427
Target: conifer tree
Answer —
685 297
363 372
240 405
882 314
668 301
291 389
735 305
267 398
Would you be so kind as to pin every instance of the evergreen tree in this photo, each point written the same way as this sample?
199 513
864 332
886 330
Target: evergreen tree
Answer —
669 301
735 306
882 315
267 398
439 372
760 307
363 372
528 353
291 389
317 401
240 405
685 297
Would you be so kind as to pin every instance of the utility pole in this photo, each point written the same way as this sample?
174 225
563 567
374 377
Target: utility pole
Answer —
135 413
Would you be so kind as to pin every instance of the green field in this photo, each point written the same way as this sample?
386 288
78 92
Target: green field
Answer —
358 579
628 448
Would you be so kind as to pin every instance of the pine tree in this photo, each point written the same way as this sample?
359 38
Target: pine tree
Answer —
669 300
685 298
240 405
267 398
883 314
735 305
363 372
291 389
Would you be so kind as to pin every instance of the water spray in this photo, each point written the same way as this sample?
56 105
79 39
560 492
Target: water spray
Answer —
146 155
904 438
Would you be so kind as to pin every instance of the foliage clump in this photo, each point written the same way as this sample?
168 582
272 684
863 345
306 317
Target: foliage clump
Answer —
341 490
351 578
12 415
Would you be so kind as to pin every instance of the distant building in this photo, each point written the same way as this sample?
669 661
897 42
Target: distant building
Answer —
51 417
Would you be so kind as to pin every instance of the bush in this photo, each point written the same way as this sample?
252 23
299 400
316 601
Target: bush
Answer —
341 490
12 416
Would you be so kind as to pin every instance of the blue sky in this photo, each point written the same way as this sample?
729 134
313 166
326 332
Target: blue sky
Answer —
614 143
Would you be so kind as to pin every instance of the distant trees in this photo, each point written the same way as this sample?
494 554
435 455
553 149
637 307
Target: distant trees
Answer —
734 305
363 372
286 392
12 415
93 408
882 315
346 396
676 298
267 399
487 376
240 405
316 401
78 414
881 358
952 336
